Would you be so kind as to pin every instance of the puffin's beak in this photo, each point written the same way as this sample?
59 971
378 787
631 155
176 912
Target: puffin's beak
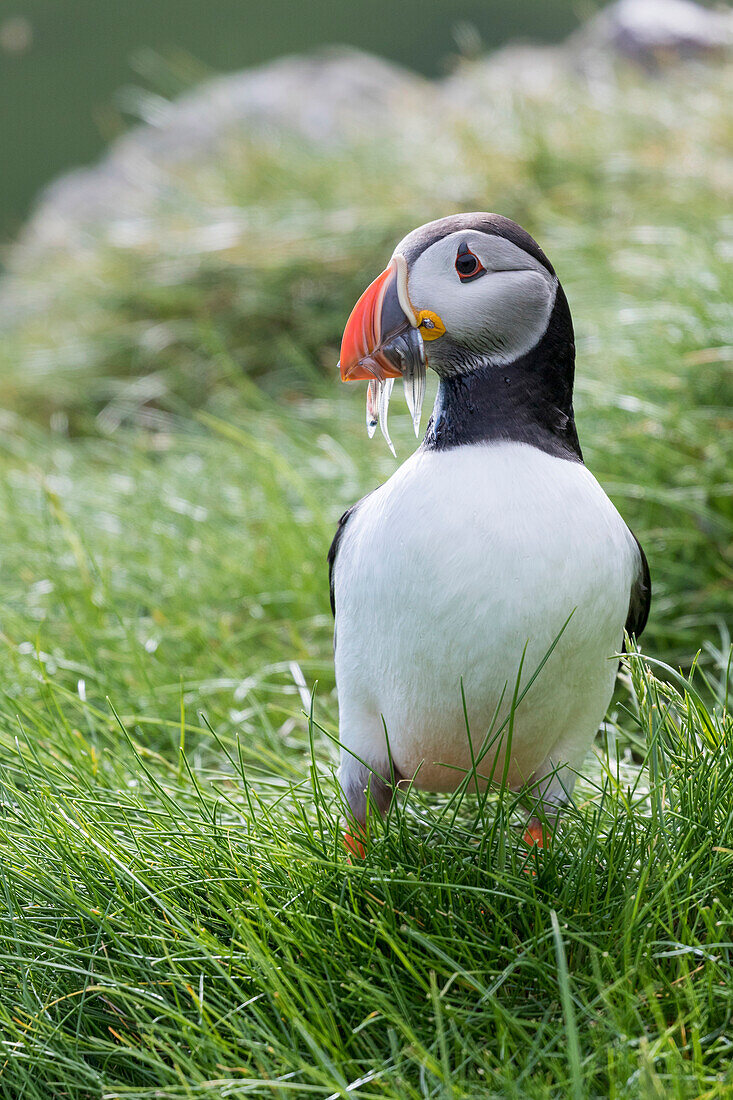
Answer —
381 342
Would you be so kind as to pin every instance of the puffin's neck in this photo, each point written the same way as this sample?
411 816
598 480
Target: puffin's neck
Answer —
527 401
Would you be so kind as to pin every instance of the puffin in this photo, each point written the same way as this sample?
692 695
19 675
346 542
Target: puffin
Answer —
481 593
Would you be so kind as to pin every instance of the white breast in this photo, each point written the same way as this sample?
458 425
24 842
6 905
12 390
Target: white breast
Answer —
463 561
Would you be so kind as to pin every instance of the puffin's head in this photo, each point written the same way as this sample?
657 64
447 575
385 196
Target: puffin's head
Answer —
466 292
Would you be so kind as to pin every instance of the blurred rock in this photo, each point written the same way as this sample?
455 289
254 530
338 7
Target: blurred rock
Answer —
327 98
654 32
648 33
532 70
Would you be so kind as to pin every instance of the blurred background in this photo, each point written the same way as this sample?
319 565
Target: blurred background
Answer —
65 64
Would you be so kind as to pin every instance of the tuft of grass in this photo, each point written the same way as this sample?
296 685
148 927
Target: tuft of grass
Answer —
177 916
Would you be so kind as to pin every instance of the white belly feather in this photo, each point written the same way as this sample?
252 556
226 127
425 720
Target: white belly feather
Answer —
444 575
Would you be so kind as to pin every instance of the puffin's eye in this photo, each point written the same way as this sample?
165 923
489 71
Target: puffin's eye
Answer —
468 265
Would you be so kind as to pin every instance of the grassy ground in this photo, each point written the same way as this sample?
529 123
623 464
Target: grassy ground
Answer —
178 918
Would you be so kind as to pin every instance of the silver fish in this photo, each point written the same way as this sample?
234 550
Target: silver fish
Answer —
405 350
372 407
385 392
413 380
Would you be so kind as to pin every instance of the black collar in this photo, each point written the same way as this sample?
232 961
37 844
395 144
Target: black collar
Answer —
527 401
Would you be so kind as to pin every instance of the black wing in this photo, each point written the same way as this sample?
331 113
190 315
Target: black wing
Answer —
641 596
333 549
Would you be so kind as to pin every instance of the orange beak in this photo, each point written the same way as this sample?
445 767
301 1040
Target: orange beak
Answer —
381 333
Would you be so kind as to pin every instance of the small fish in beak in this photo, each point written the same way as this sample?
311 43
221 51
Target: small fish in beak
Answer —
385 392
413 380
381 342
372 412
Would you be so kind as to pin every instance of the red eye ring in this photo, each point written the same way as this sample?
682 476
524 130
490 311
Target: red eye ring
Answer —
468 265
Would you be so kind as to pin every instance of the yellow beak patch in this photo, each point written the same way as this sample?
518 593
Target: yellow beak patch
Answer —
430 324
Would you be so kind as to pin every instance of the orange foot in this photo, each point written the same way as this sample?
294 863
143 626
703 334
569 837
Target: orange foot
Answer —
536 834
354 845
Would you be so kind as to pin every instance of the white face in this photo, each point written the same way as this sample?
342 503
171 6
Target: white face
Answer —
491 318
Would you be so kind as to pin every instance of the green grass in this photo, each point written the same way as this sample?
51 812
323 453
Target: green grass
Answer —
197 931
177 916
